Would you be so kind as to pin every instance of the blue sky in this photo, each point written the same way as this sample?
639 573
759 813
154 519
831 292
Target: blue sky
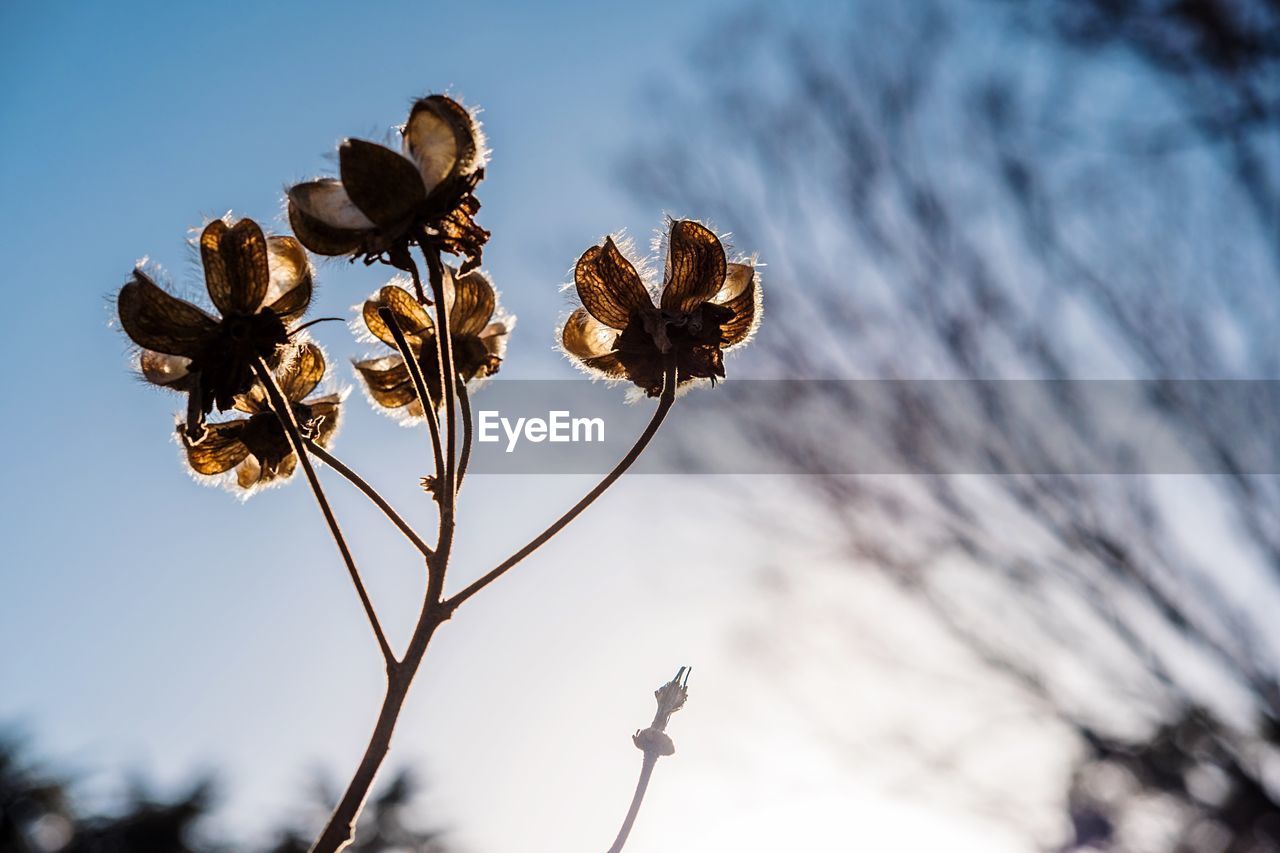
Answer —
152 624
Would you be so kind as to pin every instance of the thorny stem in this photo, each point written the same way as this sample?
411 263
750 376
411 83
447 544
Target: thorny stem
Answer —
664 405
646 770
465 404
371 493
284 412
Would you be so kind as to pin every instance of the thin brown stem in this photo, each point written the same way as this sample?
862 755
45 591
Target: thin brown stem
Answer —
464 402
646 770
420 386
284 412
371 493
444 352
664 406
340 829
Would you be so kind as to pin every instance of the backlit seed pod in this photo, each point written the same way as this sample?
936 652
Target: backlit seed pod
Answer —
259 285
706 306
386 200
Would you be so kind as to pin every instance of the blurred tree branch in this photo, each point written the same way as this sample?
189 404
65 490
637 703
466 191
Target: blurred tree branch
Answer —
1052 190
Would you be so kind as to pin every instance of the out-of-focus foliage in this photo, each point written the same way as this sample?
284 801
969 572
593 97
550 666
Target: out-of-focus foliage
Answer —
1059 189
40 814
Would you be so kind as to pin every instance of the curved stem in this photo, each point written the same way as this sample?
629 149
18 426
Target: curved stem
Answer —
419 386
284 412
415 373
646 770
664 406
465 404
340 829
371 493
444 353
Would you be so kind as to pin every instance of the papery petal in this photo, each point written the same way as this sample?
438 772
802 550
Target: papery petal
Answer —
254 401
157 321
325 413
494 337
742 294
302 373
249 473
325 219
291 284
472 304
382 183
459 234
609 286
411 317
591 343
695 267
387 380
236 271
283 471
219 451
441 137
167 371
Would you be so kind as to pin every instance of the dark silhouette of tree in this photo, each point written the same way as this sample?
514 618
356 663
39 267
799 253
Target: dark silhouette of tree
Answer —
38 814
984 191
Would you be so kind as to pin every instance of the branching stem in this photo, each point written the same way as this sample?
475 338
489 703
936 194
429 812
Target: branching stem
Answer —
664 406
371 493
284 411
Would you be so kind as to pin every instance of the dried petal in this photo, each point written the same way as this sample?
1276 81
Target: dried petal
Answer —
290 290
441 138
236 271
157 321
411 317
303 373
609 286
591 343
167 371
220 450
382 183
494 337
387 380
742 295
472 303
249 473
324 418
695 267
325 219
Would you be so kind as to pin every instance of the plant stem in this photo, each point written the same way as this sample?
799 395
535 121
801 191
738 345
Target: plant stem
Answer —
372 494
284 412
415 373
664 405
340 829
646 770
444 352
465 404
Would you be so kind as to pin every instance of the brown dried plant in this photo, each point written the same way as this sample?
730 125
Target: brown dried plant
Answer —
444 336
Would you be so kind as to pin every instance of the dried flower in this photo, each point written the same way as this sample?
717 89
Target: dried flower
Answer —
259 285
256 446
386 200
671 698
479 340
707 305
